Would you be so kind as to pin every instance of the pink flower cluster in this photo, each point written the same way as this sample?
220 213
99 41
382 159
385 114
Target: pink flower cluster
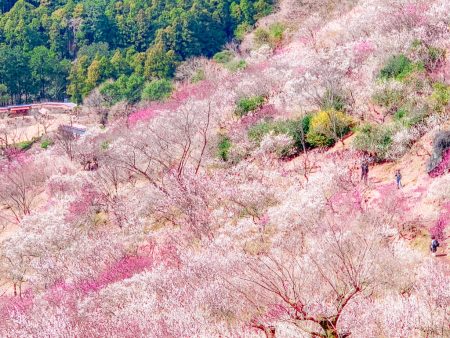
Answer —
185 92
362 50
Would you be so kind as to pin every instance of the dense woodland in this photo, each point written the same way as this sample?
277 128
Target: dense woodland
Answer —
53 49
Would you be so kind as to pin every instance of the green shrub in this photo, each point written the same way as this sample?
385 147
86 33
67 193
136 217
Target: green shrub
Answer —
276 31
319 140
416 44
411 114
440 96
241 30
224 56
391 95
261 37
236 65
328 126
224 147
262 9
257 132
127 88
157 90
46 143
105 145
271 37
430 56
400 114
24 145
229 61
397 67
297 129
374 139
198 76
435 55
248 104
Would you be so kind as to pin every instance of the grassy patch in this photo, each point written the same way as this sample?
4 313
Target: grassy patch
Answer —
399 67
276 32
229 61
241 30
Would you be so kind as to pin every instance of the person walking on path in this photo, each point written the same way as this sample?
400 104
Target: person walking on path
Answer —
398 179
434 245
364 170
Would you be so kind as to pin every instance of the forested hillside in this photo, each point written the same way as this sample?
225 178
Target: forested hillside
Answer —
51 49
295 187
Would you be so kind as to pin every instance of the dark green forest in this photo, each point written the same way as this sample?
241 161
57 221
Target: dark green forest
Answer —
57 49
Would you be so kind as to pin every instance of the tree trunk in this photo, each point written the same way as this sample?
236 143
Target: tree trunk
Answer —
269 331
329 328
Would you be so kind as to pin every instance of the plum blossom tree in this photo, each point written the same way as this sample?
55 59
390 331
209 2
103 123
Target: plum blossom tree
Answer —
163 240
312 286
22 182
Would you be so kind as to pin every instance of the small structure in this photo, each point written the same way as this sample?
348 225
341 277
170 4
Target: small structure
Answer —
24 109
14 111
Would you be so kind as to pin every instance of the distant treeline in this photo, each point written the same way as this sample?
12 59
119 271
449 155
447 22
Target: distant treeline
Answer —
51 49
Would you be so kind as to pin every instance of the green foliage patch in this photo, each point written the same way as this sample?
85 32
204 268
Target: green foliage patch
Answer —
198 76
248 104
390 96
224 56
157 90
46 143
374 139
127 88
440 96
397 67
230 61
272 36
223 147
297 129
236 65
24 145
411 114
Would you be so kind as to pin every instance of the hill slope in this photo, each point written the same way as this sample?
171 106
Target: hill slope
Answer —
236 206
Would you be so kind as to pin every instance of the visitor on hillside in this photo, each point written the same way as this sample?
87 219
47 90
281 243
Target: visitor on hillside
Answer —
364 170
398 179
434 245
